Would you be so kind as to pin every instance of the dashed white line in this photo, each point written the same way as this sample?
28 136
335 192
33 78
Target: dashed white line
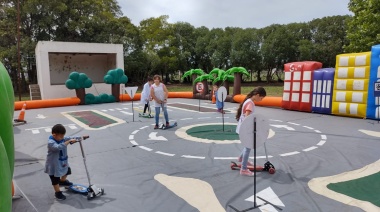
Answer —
323 137
131 137
186 119
289 153
293 123
134 142
193 157
164 153
307 127
204 118
35 131
321 143
134 132
317 131
310 148
146 148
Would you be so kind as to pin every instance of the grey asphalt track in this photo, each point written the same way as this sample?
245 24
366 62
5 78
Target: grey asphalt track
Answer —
137 166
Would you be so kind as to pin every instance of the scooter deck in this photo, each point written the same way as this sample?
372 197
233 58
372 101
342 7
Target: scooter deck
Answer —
164 127
267 167
77 188
143 115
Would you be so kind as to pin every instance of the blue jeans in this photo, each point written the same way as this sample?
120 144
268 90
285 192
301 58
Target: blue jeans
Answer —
245 156
157 115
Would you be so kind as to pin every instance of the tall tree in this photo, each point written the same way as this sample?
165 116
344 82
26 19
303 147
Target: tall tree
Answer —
363 29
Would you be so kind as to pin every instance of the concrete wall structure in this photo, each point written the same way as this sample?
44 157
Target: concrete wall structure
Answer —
56 60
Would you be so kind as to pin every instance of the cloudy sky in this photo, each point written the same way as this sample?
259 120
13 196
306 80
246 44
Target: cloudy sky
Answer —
234 13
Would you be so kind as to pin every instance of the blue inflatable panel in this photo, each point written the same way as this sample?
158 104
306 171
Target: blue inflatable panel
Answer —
323 84
373 101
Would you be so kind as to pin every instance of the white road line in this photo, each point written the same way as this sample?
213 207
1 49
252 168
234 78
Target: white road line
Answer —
111 110
134 142
145 148
293 123
134 132
307 127
47 129
186 119
35 131
289 153
118 108
144 127
204 118
317 131
275 120
323 137
73 127
194 157
321 143
310 148
164 153
104 110
24 195
126 113
234 158
131 137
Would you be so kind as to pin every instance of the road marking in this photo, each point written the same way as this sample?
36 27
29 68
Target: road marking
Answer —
289 153
146 148
321 142
194 157
283 126
268 195
134 132
195 192
131 137
310 148
153 136
371 133
134 142
164 153
40 116
126 113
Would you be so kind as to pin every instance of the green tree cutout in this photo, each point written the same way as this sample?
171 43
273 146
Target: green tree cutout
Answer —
115 77
193 73
204 79
79 81
237 72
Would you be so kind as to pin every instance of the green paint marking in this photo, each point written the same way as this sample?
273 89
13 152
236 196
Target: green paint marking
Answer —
214 132
365 188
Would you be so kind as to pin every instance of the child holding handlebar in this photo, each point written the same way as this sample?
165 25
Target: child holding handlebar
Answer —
57 166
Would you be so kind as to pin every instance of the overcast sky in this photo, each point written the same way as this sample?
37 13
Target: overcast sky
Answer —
233 13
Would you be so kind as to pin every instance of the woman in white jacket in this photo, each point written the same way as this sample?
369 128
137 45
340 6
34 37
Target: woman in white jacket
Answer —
145 94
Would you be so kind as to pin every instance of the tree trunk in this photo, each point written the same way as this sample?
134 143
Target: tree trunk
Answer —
193 77
205 89
116 91
237 85
81 93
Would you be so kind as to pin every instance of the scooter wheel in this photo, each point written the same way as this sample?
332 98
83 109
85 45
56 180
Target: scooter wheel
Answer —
89 196
272 171
232 166
102 191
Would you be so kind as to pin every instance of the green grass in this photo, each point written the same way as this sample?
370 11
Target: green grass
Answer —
272 89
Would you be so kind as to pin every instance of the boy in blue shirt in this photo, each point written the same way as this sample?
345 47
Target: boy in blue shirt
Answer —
57 166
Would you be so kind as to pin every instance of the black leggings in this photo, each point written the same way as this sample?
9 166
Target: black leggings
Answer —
146 107
55 180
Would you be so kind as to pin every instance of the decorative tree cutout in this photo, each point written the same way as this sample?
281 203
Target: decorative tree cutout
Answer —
237 72
115 77
193 73
79 81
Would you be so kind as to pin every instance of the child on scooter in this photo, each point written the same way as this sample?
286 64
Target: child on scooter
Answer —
57 166
245 109
219 104
145 94
159 93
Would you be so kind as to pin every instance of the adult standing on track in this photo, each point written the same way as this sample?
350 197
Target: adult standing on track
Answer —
145 94
159 93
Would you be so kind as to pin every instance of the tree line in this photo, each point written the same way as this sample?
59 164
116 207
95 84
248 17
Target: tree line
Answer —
156 46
